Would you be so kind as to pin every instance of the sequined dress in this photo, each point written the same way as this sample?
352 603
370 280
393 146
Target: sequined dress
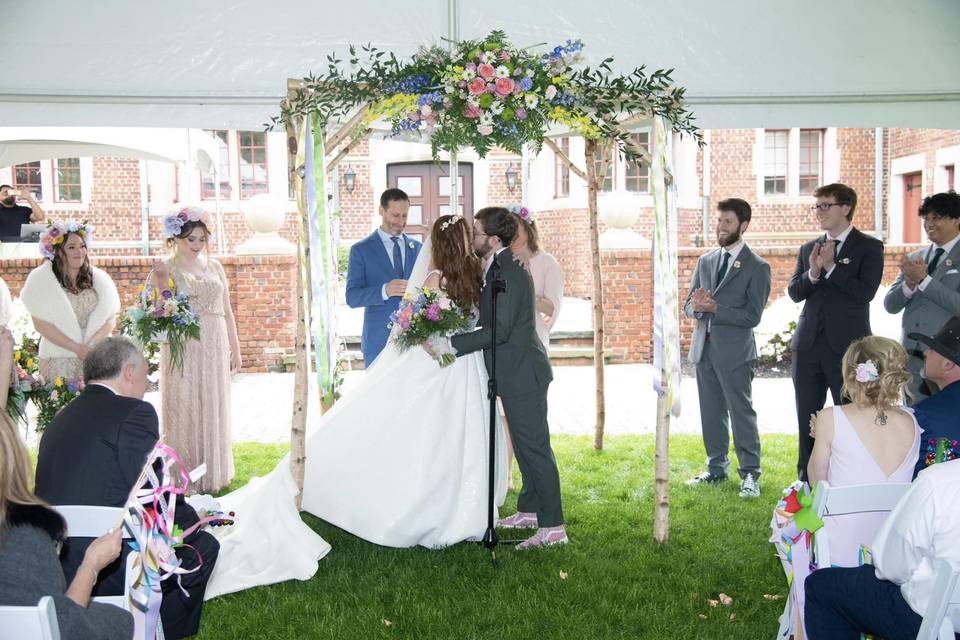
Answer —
83 304
196 401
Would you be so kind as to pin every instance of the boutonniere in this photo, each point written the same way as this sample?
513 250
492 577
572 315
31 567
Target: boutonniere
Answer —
410 244
736 264
949 263
844 260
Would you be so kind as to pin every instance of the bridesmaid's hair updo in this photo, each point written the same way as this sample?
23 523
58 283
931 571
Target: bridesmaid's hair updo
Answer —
884 375
452 255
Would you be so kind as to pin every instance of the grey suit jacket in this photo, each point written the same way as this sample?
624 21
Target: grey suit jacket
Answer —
741 298
928 310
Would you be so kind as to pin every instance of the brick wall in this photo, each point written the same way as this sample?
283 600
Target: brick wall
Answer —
907 142
262 294
628 294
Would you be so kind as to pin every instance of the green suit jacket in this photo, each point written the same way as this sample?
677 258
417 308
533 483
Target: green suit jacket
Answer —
522 363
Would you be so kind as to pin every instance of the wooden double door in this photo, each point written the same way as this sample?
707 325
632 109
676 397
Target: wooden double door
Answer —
428 186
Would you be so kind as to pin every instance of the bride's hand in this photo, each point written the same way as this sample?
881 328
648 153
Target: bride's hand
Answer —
426 347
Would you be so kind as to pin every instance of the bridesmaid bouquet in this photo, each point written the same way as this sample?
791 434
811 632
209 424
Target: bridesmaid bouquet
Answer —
26 381
428 315
52 397
164 316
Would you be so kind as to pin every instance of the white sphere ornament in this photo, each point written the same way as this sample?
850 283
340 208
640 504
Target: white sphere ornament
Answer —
264 216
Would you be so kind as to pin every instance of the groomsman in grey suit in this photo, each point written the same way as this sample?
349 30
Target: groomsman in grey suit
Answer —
928 287
727 297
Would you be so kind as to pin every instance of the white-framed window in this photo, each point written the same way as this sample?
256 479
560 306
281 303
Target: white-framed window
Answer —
791 163
626 175
64 182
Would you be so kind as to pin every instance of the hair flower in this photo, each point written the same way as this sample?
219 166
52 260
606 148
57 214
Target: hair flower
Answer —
173 223
453 220
522 212
56 233
867 372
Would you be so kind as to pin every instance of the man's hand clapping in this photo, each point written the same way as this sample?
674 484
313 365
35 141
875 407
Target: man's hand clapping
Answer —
703 301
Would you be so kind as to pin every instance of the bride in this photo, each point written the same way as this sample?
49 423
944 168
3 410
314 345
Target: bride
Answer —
401 461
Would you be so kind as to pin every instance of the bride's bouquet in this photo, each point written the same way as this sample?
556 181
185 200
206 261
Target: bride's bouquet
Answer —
164 316
428 315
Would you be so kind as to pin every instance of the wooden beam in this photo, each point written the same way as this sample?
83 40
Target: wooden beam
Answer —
577 171
345 151
343 132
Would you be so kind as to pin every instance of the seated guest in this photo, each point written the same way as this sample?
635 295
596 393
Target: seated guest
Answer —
92 454
30 532
888 600
873 439
939 415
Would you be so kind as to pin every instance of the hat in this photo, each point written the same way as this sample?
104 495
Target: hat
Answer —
946 342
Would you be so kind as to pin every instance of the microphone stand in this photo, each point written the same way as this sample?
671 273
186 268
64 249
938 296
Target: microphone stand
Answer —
498 286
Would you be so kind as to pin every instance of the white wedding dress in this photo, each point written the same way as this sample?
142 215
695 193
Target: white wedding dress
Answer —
401 461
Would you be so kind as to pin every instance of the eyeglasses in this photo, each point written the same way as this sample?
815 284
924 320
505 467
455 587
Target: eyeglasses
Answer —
825 206
480 233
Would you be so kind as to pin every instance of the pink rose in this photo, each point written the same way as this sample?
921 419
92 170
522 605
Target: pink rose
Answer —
504 86
477 86
485 129
471 111
505 55
54 232
486 70
183 215
550 93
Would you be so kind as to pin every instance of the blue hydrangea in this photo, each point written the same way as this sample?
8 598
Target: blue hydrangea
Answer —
526 83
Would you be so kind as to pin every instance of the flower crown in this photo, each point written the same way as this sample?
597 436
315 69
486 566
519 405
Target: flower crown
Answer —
522 212
453 220
867 372
173 223
57 231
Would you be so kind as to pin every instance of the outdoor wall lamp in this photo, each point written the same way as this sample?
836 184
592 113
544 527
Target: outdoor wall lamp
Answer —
511 176
349 179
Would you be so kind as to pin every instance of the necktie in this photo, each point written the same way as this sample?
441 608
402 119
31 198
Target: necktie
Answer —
397 257
836 248
723 267
936 260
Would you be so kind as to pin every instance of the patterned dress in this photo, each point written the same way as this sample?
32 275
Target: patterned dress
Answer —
196 401
83 304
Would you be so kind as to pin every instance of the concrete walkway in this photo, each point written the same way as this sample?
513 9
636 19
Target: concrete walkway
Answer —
262 403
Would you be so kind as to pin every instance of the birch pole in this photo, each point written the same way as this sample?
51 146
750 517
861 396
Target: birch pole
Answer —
301 389
592 186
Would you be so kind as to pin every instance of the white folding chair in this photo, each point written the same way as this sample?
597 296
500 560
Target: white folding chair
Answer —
945 599
30 623
84 521
855 498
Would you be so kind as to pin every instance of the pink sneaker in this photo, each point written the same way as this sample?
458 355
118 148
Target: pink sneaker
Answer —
519 520
544 537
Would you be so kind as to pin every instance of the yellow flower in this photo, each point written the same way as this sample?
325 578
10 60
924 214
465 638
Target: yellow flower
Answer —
58 382
139 288
170 283
29 363
16 356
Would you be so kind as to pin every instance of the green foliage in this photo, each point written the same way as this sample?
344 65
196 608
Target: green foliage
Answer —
343 260
151 350
437 93
619 584
779 350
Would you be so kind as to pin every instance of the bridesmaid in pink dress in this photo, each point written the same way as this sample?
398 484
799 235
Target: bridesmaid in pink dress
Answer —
872 440
547 287
195 402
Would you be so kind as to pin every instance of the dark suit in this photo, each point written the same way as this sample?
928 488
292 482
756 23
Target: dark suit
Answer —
939 417
92 454
836 312
523 376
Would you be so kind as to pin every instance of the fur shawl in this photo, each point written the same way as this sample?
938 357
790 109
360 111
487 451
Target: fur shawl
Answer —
5 304
45 299
38 516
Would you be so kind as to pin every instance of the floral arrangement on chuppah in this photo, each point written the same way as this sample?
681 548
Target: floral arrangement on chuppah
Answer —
489 92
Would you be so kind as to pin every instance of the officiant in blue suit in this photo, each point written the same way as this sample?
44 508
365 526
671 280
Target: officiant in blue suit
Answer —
377 274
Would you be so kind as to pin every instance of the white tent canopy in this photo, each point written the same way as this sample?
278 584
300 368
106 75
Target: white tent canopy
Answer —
220 64
19 145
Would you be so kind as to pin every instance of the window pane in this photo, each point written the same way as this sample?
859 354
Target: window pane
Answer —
810 160
561 172
253 163
638 175
67 177
775 162
26 177
413 185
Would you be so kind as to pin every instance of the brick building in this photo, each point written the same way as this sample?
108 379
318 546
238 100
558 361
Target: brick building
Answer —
775 170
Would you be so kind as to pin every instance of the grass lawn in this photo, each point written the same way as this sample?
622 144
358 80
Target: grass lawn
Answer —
618 583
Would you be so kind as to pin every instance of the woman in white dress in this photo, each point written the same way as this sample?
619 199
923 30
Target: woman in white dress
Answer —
401 461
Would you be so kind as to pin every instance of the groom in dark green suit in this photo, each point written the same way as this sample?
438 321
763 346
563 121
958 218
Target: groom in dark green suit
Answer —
523 375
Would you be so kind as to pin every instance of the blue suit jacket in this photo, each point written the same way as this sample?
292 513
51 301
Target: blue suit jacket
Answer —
369 269
939 417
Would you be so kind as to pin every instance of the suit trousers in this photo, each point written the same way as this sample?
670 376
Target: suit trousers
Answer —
815 370
527 420
845 602
180 613
725 399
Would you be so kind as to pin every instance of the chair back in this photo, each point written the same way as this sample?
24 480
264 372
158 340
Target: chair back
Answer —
85 521
855 498
30 623
944 601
